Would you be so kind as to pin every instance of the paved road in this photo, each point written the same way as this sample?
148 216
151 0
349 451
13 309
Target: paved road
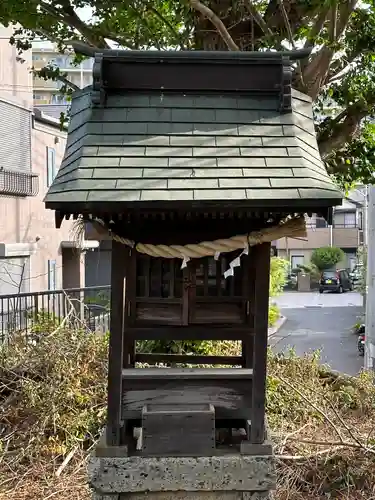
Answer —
310 327
300 299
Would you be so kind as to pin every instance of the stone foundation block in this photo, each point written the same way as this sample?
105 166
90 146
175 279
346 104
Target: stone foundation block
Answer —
229 474
212 495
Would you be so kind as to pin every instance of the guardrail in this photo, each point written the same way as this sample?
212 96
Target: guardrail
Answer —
29 313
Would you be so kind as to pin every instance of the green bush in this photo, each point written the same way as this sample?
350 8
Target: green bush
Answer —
278 275
273 314
326 257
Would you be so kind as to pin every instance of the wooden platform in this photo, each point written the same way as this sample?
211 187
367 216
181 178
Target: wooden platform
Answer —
229 390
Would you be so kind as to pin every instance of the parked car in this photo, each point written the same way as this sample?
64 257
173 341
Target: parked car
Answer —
335 281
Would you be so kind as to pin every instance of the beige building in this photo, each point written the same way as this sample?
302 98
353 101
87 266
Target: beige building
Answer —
46 92
346 233
34 256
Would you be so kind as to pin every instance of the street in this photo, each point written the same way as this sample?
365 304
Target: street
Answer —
322 322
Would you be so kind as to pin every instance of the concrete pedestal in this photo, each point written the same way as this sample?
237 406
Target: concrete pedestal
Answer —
222 477
213 495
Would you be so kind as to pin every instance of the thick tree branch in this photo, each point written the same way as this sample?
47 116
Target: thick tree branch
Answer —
287 24
333 25
338 66
317 26
315 73
257 17
342 129
216 21
68 83
77 23
73 21
346 9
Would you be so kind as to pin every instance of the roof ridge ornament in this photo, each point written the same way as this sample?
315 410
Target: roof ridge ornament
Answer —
286 85
99 95
253 72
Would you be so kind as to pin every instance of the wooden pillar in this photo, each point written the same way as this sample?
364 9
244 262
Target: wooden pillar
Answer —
130 310
261 256
249 294
120 257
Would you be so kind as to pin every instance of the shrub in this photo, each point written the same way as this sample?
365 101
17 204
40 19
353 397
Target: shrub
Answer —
326 257
53 403
278 275
273 314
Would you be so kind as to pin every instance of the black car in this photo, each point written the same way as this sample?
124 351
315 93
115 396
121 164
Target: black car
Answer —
336 281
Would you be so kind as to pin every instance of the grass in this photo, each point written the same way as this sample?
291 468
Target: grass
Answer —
52 402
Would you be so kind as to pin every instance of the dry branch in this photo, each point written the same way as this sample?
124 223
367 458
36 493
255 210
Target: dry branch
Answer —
319 410
66 461
287 23
257 17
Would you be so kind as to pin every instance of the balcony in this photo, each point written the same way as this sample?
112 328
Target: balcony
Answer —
345 237
342 237
41 84
16 183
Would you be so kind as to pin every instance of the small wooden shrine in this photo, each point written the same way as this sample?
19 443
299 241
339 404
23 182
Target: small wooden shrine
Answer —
193 162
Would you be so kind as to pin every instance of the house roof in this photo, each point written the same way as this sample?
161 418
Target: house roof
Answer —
52 110
142 141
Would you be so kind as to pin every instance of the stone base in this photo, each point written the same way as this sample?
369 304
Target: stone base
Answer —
223 477
189 495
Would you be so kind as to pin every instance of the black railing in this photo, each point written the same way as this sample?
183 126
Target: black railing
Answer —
17 183
347 225
33 313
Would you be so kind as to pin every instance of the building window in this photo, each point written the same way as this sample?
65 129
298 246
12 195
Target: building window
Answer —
320 222
297 260
58 99
345 220
51 165
350 219
51 275
360 220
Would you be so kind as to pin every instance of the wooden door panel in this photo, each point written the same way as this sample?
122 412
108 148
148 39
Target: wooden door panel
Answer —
211 312
214 299
197 294
159 314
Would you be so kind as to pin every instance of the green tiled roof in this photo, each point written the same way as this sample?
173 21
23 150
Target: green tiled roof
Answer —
174 147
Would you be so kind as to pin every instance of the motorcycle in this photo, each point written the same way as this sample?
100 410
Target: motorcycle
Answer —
361 344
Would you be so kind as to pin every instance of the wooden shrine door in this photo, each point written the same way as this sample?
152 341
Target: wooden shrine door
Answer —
197 294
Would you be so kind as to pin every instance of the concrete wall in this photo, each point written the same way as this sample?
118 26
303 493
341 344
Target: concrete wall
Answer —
24 220
347 262
16 81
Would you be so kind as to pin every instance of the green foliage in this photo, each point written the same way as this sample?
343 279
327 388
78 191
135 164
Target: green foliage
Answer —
53 404
278 275
273 314
326 257
43 322
339 75
362 261
61 390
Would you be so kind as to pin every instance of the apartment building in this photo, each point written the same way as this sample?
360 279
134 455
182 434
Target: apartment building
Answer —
34 256
346 233
47 92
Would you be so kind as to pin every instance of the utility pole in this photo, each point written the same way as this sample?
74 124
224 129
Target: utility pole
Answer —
370 282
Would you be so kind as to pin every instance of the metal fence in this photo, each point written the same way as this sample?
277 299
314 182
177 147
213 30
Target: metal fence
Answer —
29 313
